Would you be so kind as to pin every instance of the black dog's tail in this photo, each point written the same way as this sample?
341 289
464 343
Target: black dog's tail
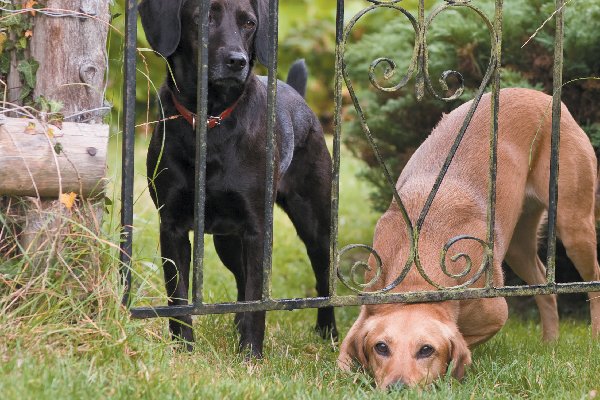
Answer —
297 76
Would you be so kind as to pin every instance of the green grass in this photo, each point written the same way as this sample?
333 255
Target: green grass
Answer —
67 338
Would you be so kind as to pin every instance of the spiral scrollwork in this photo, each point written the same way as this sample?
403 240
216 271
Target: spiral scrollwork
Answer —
389 72
444 84
447 74
468 266
390 67
467 259
352 282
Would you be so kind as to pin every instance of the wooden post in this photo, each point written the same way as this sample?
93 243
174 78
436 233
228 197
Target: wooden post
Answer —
71 52
72 56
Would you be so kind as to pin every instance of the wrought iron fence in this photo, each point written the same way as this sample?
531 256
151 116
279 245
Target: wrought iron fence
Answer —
418 69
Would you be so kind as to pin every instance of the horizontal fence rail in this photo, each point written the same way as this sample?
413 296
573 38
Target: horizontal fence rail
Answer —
418 69
346 301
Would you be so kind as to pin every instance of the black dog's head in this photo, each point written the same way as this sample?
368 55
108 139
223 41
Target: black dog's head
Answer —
238 35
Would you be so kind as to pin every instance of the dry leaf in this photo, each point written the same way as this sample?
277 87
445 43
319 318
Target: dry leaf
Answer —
57 122
3 39
30 128
54 131
30 4
68 199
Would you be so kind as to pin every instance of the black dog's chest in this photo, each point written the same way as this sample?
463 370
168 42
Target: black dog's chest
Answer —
232 189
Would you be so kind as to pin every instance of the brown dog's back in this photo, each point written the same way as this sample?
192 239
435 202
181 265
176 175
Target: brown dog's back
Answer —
461 204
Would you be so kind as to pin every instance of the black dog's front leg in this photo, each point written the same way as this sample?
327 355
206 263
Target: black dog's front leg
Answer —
231 252
252 324
176 255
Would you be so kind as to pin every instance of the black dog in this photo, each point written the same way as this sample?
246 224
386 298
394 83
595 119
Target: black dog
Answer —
236 163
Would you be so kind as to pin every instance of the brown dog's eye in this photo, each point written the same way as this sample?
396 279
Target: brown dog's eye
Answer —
425 351
382 349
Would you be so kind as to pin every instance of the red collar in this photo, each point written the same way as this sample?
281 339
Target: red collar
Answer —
211 121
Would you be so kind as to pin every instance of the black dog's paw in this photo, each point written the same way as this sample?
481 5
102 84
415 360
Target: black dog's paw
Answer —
182 346
328 332
250 352
182 333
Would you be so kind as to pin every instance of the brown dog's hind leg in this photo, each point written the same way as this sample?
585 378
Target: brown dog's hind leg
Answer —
578 234
523 259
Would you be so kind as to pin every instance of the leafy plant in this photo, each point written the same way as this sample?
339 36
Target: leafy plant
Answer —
15 30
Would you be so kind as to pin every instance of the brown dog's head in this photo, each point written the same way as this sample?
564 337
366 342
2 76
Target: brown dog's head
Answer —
238 31
410 345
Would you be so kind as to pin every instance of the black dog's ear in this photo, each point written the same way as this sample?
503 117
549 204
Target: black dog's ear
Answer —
162 24
261 38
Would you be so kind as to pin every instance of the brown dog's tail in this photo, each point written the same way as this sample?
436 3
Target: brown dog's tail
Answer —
298 76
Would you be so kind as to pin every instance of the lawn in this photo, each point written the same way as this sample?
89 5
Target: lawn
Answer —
66 337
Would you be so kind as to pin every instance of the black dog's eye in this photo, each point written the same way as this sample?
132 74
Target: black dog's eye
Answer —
382 349
249 24
425 351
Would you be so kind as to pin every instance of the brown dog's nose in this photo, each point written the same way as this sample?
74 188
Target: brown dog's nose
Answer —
396 386
236 61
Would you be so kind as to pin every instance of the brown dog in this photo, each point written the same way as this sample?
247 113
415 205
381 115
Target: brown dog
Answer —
413 344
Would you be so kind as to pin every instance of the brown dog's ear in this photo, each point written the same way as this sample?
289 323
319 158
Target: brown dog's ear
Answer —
352 348
261 38
460 356
162 24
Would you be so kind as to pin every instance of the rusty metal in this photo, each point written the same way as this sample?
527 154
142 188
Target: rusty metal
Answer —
554 142
129 83
200 161
270 147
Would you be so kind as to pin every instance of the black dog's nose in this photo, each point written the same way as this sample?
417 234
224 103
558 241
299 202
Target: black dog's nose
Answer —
236 61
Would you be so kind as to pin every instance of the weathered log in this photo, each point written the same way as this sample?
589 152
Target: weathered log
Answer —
42 160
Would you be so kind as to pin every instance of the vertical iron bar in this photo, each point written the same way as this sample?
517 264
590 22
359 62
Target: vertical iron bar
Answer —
270 147
337 133
129 82
421 62
200 161
491 215
554 152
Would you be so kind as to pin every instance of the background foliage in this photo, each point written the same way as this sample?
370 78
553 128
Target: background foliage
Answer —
459 40
15 32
